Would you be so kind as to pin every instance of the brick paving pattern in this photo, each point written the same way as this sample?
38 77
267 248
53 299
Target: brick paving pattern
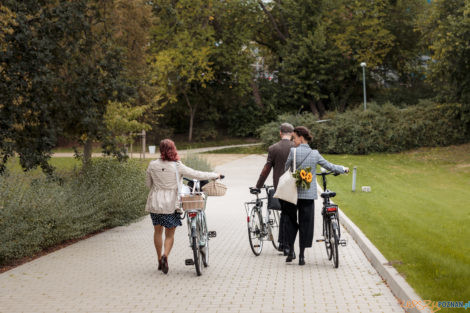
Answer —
116 271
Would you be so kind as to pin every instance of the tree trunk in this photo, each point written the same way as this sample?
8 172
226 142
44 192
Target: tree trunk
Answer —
256 94
192 113
317 108
321 108
87 151
313 107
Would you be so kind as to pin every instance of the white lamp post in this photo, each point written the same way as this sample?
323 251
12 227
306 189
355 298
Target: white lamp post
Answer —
363 65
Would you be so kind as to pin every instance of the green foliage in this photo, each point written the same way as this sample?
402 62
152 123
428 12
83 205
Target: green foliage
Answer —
58 71
39 212
382 128
201 59
360 31
320 45
446 26
122 121
197 162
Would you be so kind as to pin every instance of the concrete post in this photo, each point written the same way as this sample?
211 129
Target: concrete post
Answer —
354 179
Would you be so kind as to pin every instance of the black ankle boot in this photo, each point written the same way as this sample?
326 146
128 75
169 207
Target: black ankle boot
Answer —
286 251
290 256
301 256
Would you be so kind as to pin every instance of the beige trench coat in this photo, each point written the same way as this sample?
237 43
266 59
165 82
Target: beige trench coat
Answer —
161 179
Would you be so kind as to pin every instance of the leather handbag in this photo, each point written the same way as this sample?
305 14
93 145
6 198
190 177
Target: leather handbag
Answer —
286 188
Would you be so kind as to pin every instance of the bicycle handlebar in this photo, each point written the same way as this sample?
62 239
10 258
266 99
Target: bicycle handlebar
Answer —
191 180
256 191
327 173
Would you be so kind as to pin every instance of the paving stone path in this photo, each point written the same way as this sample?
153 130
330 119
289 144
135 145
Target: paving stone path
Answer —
116 271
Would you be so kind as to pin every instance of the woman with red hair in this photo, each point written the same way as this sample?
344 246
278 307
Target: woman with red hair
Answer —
162 199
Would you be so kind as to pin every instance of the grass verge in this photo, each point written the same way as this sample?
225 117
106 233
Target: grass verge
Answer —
240 150
417 214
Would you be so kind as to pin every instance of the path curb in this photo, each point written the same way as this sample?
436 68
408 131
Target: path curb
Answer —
400 288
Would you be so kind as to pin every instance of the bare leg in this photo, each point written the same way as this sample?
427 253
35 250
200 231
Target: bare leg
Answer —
157 240
169 239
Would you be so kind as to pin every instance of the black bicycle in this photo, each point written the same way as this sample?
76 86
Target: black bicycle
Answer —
261 228
331 226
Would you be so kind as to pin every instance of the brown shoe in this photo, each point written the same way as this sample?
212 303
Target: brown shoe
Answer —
164 264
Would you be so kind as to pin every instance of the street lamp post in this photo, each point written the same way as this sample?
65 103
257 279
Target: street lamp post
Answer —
363 65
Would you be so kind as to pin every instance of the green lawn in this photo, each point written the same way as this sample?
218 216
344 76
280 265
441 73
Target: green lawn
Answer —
180 142
61 164
418 214
241 150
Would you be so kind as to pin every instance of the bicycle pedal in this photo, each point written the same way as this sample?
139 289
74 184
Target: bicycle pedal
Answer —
271 222
343 242
212 234
189 262
320 240
256 246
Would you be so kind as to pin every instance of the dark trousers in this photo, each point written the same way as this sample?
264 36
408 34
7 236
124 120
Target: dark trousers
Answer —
282 223
305 210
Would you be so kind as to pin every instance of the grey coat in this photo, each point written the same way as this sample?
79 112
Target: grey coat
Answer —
312 158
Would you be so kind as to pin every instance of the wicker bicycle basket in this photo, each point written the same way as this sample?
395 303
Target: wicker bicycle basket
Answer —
214 188
193 202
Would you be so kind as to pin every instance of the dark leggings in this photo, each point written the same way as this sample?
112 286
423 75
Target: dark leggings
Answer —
306 210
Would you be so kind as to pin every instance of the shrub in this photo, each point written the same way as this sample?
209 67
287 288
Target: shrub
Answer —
38 212
382 128
197 162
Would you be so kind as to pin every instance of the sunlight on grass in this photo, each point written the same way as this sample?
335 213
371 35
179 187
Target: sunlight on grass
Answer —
417 213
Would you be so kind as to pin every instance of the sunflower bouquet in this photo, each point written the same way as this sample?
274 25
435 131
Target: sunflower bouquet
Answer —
303 177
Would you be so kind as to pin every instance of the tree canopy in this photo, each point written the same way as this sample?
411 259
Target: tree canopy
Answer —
96 70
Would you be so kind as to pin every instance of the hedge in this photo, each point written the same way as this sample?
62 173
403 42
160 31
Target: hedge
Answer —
39 212
381 128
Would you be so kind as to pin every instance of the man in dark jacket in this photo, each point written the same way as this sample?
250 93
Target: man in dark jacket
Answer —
277 156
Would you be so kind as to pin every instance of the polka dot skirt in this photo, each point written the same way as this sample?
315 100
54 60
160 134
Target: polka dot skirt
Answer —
166 220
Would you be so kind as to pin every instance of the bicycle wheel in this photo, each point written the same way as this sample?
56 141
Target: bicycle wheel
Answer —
204 249
327 236
196 254
334 243
255 235
273 226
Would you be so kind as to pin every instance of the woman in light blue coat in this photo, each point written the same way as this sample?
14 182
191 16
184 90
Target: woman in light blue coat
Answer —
305 157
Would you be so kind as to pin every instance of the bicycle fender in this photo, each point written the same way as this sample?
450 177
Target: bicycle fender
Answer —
334 224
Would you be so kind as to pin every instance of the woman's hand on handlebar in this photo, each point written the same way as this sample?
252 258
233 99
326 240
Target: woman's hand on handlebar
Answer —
221 176
346 169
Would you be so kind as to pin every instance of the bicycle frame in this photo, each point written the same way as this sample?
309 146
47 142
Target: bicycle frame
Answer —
259 204
332 216
261 227
198 233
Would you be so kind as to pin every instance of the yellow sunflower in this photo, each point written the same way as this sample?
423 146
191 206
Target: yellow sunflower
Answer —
309 177
303 174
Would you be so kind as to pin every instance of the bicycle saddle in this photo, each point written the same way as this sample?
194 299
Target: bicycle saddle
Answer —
254 191
328 194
